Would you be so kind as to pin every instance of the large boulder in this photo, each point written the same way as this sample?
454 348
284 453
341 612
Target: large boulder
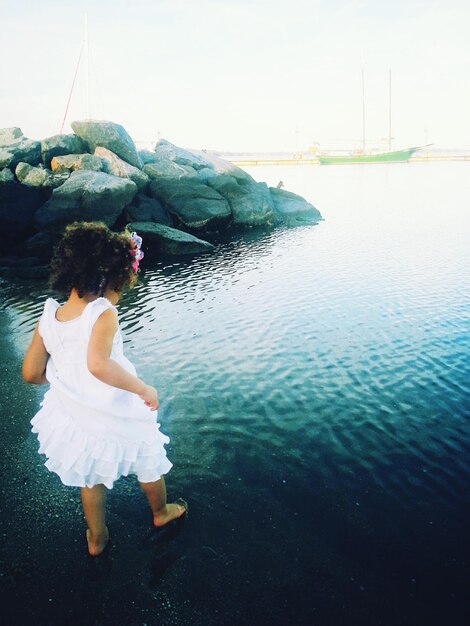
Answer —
72 162
58 145
166 151
250 202
145 209
39 176
32 176
9 135
201 161
86 195
195 205
108 135
163 169
147 156
112 164
18 206
293 210
220 166
206 174
40 246
185 181
159 239
21 149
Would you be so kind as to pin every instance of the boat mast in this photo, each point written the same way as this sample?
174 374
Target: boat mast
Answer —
87 50
363 115
73 85
389 110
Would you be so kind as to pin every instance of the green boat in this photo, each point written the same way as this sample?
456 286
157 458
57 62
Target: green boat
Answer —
365 156
394 156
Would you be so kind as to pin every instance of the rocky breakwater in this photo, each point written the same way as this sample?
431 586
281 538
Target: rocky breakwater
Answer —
179 200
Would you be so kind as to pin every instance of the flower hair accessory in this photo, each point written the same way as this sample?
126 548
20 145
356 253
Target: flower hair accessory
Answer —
138 254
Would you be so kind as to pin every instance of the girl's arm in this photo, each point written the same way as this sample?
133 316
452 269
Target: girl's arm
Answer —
35 360
109 371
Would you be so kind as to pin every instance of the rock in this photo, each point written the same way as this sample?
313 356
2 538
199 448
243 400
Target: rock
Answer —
9 135
169 161
293 210
145 209
32 176
206 174
86 195
56 179
195 190
186 191
6 176
18 205
160 239
30 271
58 145
72 162
40 245
112 164
251 203
162 168
194 204
39 176
201 161
108 135
225 185
147 156
22 149
220 166
166 151
205 164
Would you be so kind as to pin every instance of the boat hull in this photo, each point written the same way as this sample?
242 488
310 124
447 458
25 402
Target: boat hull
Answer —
396 156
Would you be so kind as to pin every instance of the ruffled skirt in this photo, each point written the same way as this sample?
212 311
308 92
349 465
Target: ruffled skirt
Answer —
84 459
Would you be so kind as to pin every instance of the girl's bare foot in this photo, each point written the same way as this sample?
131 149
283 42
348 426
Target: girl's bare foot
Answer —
170 512
97 544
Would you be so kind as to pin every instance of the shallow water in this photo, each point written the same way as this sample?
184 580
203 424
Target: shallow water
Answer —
315 386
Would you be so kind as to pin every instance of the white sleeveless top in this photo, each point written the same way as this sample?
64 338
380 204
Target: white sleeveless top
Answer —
90 431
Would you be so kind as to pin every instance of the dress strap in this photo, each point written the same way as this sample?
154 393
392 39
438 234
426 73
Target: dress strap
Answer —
48 314
92 312
47 328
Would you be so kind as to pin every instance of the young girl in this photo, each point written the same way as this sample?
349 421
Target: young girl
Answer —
98 419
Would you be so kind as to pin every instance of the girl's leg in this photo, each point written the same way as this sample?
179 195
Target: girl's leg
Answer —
94 508
156 496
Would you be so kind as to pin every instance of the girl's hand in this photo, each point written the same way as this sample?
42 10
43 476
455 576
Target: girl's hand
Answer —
150 397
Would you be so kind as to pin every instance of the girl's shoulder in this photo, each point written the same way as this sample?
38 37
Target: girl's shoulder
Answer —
94 309
102 302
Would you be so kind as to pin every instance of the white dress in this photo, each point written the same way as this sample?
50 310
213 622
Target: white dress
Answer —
92 433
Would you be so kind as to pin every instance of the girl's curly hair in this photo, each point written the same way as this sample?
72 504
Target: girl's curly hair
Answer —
91 259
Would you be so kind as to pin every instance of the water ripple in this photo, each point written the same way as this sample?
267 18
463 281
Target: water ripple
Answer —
337 352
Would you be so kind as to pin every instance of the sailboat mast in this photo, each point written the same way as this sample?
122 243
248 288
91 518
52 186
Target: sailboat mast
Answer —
389 110
87 50
73 85
363 115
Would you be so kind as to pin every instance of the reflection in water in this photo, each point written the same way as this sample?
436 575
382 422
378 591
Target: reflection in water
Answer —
322 366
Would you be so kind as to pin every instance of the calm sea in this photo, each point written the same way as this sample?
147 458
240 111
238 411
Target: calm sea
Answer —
315 384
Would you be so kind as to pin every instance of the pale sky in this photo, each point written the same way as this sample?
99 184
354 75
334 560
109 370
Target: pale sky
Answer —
259 75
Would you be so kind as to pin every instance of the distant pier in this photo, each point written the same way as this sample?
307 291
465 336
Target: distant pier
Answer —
254 160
